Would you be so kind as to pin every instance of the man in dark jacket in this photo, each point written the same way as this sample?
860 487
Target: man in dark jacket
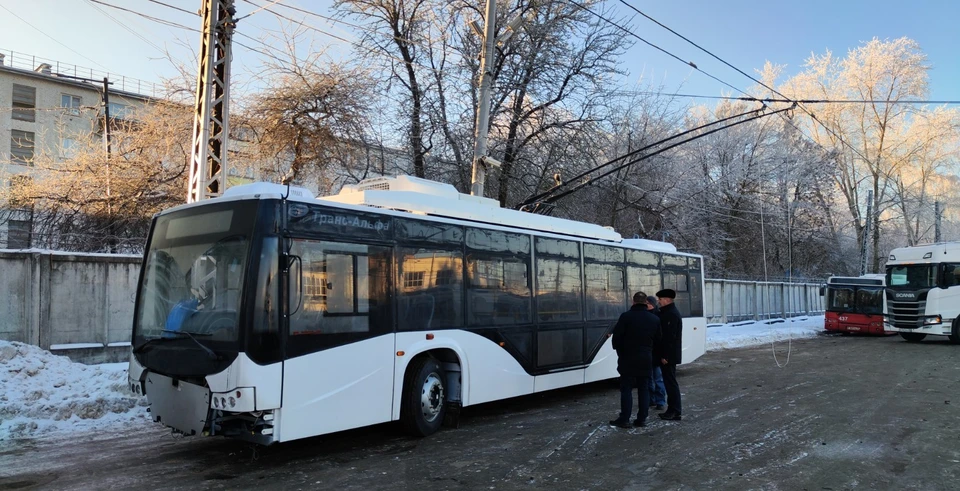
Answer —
658 393
634 336
670 350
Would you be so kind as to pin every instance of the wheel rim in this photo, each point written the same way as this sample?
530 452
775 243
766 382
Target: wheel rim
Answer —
431 397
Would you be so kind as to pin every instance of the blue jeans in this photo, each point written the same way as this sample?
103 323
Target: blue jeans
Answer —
627 385
658 393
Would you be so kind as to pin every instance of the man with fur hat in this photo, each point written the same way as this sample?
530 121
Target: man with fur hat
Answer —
671 348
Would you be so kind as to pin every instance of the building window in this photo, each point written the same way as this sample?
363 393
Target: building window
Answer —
71 103
68 148
18 234
120 111
19 188
24 103
21 146
413 279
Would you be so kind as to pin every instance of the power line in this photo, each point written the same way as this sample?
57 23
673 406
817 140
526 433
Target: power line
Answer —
174 7
631 33
771 89
52 38
274 2
121 24
339 38
776 99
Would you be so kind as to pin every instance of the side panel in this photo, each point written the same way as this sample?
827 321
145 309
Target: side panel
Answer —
558 380
694 339
604 365
337 389
266 379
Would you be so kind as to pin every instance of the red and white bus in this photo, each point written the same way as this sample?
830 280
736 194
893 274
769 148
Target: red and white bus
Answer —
855 304
270 315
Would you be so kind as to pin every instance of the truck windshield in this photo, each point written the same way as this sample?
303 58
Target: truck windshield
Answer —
193 274
912 276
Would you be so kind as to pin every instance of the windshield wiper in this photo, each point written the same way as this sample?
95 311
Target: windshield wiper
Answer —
210 352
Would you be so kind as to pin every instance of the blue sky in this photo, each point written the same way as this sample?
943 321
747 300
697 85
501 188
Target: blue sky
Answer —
745 33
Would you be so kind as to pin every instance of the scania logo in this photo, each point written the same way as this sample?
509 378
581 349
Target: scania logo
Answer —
905 295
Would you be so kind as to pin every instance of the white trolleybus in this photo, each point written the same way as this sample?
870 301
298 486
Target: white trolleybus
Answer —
923 291
270 315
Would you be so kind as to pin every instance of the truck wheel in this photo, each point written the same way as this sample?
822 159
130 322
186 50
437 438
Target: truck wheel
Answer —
423 405
955 332
913 337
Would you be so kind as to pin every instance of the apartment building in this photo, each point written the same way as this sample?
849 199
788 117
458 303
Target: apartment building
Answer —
46 107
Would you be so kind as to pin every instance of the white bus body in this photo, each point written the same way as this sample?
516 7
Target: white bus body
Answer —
269 315
923 291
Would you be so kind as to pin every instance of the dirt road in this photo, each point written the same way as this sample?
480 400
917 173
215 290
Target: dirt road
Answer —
844 413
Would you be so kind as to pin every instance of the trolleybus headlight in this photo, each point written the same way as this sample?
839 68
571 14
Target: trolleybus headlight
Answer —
223 402
233 402
216 402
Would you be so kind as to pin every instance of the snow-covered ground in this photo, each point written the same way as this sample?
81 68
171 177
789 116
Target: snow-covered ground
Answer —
44 395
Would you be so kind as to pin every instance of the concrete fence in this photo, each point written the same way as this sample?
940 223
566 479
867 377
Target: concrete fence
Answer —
731 301
81 305
78 305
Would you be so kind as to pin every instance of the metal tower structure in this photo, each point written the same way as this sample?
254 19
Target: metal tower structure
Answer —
208 159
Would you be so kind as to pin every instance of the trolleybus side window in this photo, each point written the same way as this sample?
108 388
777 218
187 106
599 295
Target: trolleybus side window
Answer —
344 295
675 277
559 300
559 288
696 287
498 278
643 272
603 275
430 288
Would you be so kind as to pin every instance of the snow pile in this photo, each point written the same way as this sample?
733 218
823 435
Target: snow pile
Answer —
42 393
752 333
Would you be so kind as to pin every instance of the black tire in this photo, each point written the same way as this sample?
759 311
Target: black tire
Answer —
913 337
954 334
423 405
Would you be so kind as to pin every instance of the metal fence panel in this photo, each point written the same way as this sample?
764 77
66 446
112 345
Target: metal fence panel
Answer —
732 301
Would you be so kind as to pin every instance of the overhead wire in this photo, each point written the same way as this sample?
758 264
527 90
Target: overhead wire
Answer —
633 34
52 38
544 194
754 79
581 185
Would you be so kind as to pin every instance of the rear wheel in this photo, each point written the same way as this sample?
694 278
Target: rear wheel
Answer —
423 405
913 337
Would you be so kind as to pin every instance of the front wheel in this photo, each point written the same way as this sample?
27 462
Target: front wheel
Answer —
913 337
954 334
423 405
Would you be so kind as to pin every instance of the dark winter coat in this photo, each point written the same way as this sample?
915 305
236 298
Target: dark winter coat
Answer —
636 333
671 324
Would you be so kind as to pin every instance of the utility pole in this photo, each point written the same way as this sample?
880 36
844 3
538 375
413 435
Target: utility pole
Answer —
208 159
111 230
866 234
936 223
480 158
483 112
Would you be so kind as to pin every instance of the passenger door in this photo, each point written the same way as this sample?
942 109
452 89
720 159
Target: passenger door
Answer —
338 372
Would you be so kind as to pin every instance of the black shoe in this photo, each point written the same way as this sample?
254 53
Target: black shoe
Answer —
620 423
670 416
658 407
639 423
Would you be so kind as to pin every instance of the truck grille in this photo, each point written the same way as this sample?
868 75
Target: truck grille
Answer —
906 315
